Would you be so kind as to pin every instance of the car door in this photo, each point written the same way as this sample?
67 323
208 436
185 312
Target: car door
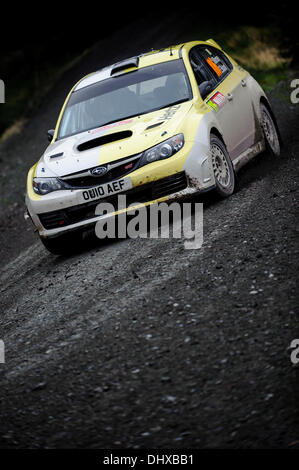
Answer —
230 100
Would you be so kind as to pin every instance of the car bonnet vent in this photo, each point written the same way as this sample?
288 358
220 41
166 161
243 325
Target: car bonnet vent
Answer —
104 139
152 126
123 65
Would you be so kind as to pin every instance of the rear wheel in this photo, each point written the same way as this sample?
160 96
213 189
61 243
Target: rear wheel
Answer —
63 244
223 168
270 131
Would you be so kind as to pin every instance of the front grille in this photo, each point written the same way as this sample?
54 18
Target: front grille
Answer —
71 215
113 174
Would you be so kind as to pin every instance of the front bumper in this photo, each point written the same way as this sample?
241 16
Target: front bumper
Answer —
76 217
62 211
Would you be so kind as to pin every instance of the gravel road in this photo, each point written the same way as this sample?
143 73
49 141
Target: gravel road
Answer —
141 343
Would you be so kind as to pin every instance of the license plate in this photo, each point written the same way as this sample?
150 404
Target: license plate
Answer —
107 189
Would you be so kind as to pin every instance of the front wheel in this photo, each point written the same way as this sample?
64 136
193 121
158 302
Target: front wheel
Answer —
63 244
223 168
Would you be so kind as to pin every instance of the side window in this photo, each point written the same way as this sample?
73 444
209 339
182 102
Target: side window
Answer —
210 67
200 71
216 60
205 78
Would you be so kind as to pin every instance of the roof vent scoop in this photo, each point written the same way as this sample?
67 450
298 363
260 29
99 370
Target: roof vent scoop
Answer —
123 65
104 139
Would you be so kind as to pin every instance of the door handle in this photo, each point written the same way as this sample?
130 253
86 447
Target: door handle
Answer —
243 82
230 96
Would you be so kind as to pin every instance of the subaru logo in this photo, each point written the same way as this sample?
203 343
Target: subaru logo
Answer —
98 171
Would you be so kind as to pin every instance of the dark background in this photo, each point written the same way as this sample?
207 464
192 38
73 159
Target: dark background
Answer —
37 41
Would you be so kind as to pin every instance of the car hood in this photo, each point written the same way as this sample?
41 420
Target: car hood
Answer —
113 141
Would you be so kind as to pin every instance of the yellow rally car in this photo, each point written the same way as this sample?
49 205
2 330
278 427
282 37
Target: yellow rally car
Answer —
155 127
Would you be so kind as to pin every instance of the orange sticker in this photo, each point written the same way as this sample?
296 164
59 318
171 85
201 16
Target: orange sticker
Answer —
214 66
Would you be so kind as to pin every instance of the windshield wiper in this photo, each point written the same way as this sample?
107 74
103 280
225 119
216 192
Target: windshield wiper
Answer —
172 104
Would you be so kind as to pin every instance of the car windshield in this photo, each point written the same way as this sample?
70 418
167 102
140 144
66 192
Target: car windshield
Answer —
123 96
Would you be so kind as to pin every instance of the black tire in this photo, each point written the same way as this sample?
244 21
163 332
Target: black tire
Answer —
63 244
270 131
223 168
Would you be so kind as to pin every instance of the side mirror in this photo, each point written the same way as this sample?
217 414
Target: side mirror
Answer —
50 135
205 88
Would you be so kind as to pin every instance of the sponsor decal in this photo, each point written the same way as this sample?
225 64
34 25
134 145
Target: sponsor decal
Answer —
217 101
170 112
110 126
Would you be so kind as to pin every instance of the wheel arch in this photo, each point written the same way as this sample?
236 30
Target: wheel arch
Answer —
265 102
217 133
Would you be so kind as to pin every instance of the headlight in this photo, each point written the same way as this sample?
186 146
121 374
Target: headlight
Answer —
164 150
47 185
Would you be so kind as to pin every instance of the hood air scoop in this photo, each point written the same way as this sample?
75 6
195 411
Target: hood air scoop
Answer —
104 139
154 125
